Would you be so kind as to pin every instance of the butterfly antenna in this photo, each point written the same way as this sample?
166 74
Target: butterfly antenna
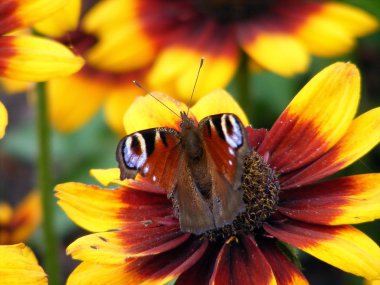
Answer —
146 91
195 84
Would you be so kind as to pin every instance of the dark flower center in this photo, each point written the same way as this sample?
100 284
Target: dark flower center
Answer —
231 10
261 191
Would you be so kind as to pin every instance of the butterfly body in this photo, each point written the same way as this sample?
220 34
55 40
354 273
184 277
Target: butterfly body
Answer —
200 167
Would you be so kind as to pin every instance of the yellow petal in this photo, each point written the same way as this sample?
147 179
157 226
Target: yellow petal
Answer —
361 136
118 102
36 59
145 112
105 248
84 204
175 70
18 265
344 247
74 100
14 86
106 177
3 120
27 216
217 102
97 19
22 13
279 53
354 20
125 48
316 118
102 274
62 21
324 37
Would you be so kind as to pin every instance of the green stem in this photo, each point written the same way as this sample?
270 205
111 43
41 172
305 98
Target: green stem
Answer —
242 80
45 186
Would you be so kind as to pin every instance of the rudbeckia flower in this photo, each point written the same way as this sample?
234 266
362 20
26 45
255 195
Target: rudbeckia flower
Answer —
159 44
137 237
18 265
16 225
173 35
32 58
75 99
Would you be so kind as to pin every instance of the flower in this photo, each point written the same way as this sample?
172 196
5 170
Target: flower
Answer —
137 238
16 225
32 58
160 43
173 35
73 100
18 265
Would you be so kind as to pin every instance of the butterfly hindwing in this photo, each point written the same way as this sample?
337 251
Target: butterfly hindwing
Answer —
151 154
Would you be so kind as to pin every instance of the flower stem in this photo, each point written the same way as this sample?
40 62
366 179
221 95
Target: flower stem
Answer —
242 82
45 186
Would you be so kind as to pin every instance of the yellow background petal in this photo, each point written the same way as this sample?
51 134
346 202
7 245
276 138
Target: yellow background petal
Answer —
3 120
117 103
30 11
62 21
279 53
18 265
74 100
354 20
38 59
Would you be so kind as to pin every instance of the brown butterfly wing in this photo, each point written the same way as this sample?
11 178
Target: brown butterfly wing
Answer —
151 154
192 208
226 146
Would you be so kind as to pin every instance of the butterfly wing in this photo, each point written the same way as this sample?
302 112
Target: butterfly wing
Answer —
226 146
192 208
151 154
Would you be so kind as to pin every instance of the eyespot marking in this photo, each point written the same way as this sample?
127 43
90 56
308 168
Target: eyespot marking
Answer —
134 151
231 130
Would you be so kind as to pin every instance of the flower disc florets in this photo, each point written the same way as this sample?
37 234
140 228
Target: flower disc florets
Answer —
261 193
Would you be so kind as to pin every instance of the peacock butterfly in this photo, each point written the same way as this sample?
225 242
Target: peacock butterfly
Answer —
199 167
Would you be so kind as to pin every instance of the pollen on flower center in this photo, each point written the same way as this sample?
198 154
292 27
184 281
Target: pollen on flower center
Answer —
229 11
261 193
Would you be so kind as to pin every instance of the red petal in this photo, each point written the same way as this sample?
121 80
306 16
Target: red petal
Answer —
201 272
345 200
166 266
285 271
241 262
152 240
255 136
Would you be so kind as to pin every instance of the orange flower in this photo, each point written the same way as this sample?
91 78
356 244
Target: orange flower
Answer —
17 225
137 235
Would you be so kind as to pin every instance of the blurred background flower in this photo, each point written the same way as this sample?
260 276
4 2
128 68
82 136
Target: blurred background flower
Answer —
159 43
17 224
32 58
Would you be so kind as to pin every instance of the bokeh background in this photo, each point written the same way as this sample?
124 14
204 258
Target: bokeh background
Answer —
94 145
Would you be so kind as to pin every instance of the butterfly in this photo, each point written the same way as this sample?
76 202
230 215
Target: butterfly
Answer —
200 167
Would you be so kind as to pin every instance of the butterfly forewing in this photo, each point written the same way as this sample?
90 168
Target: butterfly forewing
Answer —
150 154
226 147
226 144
